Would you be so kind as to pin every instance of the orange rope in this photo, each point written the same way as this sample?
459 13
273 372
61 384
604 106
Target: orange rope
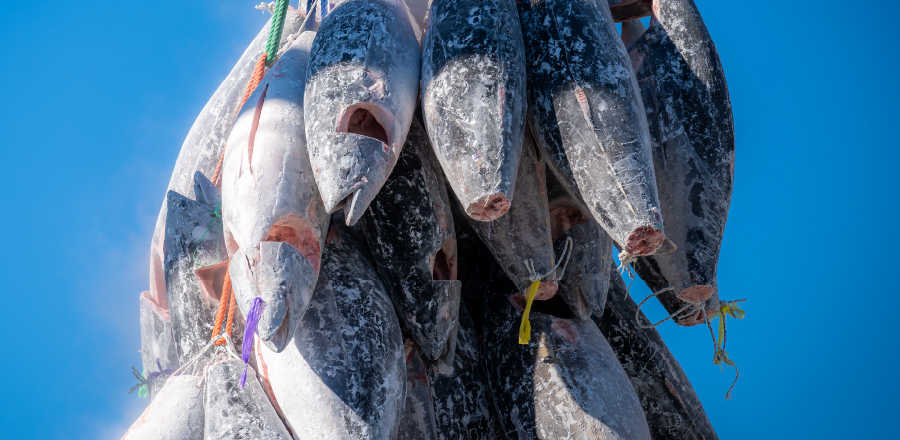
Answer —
220 313
231 309
258 73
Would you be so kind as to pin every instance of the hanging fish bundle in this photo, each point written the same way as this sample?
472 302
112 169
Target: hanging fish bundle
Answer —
409 228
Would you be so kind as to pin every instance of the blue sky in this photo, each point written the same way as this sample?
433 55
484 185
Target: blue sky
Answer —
98 96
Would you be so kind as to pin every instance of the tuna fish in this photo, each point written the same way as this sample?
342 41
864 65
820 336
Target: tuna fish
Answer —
275 224
343 375
235 413
473 98
204 142
565 384
361 90
686 97
409 227
624 10
158 352
193 238
459 389
418 420
671 406
588 120
585 280
524 232
175 414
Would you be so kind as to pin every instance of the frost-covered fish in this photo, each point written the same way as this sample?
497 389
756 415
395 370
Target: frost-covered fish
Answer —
565 384
459 389
418 420
586 113
671 406
686 98
361 90
233 412
204 142
473 99
158 352
193 238
275 223
409 227
524 232
176 413
343 375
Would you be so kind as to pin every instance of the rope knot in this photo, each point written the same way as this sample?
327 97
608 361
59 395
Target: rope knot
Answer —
535 278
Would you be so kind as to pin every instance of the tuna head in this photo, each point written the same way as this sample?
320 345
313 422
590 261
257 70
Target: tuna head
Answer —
275 224
363 79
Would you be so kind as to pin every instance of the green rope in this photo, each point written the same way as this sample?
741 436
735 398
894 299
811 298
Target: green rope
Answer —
275 33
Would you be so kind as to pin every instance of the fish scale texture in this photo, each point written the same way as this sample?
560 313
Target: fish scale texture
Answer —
524 232
473 94
233 412
672 408
193 232
343 375
365 54
176 413
406 225
565 384
418 420
686 98
586 112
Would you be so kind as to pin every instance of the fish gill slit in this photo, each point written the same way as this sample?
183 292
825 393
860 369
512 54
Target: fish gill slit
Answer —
443 265
299 234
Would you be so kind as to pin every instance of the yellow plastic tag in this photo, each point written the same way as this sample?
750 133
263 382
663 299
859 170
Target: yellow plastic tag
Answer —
525 326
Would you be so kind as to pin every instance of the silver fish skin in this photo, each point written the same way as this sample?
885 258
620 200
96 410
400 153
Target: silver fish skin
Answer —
204 142
474 98
343 375
588 119
524 232
418 420
409 228
193 238
233 412
687 102
361 89
176 413
275 223
565 384
671 406
158 350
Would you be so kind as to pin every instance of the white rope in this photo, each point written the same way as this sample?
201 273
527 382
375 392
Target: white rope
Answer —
564 256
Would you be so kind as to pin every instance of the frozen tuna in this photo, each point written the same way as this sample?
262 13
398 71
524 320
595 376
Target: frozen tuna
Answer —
686 97
671 406
524 232
565 384
233 412
588 120
275 223
175 414
409 227
418 420
193 238
473 99
204 142
343 375
361 90
158 352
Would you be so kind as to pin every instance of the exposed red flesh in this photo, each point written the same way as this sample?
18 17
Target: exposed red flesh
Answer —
565 329
644 240
696 294
564 216
211 279
546 291
488 208
298 233
443 266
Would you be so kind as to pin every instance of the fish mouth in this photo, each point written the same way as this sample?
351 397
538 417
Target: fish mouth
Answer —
644 240
488 208
366 119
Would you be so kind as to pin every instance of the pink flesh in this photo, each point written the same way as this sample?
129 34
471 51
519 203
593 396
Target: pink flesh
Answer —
298 233
695 319
546 291
259 106
565 329
264 377
163 313
488 208
696 294
211 279
443 265
644 241
564 216
157 294
363 122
